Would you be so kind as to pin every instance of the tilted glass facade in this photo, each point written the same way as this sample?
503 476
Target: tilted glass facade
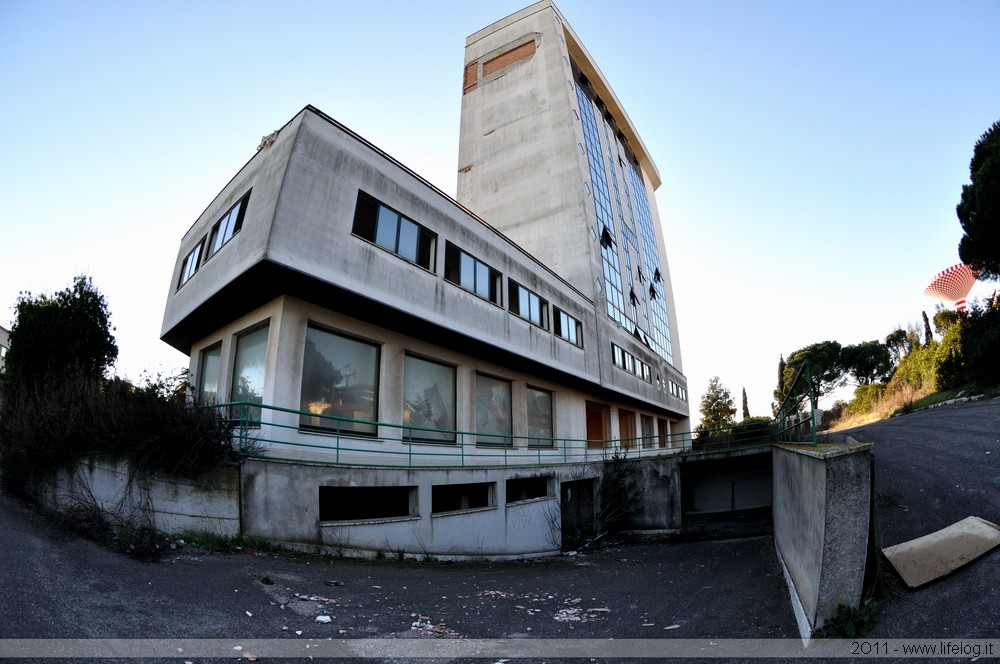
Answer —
635 294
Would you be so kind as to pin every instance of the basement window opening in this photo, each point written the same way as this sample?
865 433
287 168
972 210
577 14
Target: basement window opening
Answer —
367 503
447 498
520 489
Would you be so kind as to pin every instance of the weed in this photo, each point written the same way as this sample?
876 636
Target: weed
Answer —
215 543
850 623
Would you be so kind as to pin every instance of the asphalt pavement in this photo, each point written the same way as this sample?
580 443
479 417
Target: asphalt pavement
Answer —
932 469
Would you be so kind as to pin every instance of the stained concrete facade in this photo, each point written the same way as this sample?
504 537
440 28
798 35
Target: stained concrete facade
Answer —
280 252
527 164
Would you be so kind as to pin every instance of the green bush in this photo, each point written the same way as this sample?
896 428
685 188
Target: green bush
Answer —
753 430
919 369
980 343
56 422
865 398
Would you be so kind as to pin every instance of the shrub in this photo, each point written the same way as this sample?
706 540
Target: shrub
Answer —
865 398
56 422
753 430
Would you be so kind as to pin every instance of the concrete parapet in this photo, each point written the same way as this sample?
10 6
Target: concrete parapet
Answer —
821 509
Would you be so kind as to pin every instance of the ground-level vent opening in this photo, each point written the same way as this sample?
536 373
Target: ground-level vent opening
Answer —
528 488
354 503
457 497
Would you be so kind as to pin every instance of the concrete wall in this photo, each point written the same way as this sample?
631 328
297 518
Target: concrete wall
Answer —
821 511
281 502
206 503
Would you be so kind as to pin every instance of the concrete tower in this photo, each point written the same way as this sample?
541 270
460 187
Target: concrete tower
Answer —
550 158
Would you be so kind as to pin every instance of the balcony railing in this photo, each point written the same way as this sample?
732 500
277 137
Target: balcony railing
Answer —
273 432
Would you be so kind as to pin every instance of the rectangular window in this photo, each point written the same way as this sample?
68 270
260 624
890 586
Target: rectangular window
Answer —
225 228
394 232
208 385
364 503
528 305
528 488
458 497
493 418
648 435
339 380
567 327
471 274
540 427
248 370
598 419
191 263
428 400
663 432
626 428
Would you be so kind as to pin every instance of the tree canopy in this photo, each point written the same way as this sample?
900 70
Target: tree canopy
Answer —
825 370
867 362
717 409
59 334
979 207
944 320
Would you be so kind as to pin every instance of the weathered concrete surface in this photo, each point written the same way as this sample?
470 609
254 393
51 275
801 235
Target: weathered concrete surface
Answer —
281 503
821 507
209 502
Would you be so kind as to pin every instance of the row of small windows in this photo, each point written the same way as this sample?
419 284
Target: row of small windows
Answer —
359 503
340 379
404 237
222 232
678 391
630 363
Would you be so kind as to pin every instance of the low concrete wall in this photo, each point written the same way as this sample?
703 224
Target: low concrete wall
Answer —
821 507
281 502
206 503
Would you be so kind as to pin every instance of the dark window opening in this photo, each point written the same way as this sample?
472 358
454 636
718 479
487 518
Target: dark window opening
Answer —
527 304
457 497
191 262
471 274
354 503
528 488
394 232
230 224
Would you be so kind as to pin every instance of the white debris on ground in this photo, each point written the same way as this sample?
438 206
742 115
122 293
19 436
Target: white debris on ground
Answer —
573 613
424 627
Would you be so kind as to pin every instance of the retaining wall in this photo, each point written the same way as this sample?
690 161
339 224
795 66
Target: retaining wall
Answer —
821 509
206 503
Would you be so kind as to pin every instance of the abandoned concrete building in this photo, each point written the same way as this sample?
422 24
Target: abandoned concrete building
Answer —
430 376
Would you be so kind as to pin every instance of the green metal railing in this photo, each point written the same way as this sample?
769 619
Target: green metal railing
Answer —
331 439
296 435
795 421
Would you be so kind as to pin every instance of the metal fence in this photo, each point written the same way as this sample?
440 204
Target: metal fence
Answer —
795 419
274 432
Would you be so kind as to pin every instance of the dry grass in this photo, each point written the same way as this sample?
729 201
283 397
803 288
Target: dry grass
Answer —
899 398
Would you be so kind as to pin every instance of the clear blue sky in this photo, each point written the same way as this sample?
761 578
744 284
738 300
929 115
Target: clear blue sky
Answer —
812 153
